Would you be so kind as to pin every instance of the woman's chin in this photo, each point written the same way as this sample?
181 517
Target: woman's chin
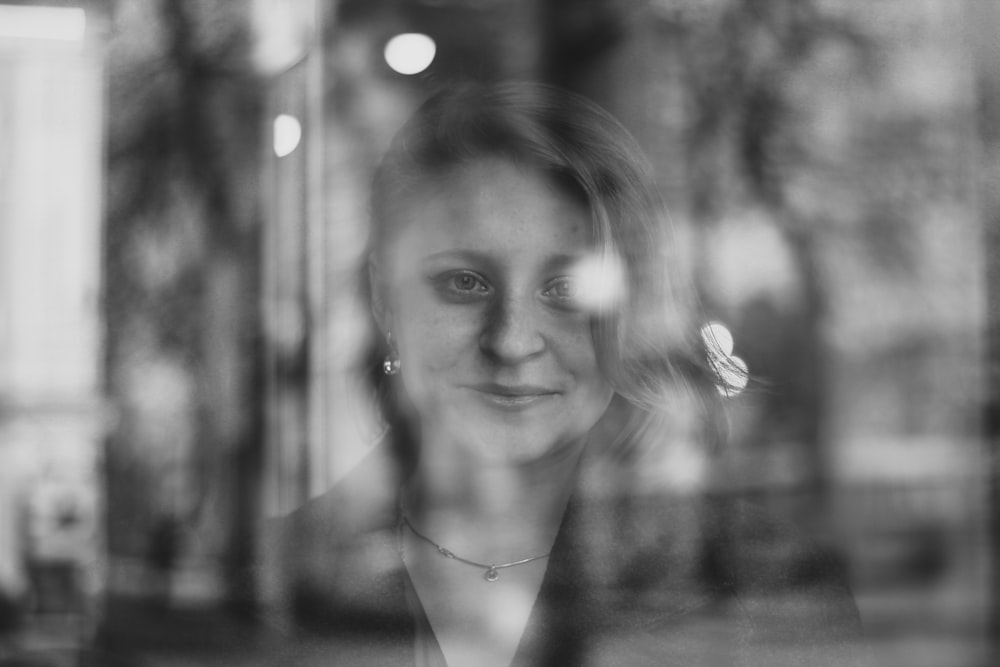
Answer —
518 449
493 438
504 454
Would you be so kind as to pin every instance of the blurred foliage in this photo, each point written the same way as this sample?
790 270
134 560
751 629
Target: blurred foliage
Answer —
182 287
816 152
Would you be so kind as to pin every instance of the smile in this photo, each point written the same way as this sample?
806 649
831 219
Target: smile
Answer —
513 397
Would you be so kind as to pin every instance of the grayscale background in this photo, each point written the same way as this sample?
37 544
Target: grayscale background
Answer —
183 202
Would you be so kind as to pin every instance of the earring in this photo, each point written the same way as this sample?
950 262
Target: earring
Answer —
390 365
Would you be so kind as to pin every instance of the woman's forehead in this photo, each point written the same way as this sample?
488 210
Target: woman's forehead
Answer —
496 203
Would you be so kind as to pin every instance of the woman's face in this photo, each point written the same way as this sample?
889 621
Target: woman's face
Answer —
478 294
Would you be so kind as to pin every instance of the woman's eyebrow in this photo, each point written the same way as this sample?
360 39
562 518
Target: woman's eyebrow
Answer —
555 262
474 256
562 261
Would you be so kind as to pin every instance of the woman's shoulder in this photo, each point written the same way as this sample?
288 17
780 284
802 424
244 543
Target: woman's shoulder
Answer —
338 553
351 524
362 500
691 575
753 550
789 587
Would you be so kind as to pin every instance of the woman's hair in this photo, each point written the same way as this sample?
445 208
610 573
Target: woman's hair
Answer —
647 341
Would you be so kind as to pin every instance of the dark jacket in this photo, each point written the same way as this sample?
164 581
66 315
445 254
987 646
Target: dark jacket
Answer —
632 580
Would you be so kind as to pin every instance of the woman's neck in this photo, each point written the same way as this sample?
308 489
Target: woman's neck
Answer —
489 509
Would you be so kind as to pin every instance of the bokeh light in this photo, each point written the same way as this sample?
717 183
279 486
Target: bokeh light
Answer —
717 337
734 374
600 283
287 134
410 53
732 371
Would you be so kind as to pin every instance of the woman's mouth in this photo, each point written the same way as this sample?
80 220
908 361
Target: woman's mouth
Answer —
513 396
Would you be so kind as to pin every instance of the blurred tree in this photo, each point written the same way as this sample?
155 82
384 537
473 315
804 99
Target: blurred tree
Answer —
710 87
182 288
985 17
743 142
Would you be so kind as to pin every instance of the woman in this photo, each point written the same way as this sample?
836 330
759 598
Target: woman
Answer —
533 318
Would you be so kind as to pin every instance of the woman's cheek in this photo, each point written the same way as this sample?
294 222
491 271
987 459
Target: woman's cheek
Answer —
573 344
436 339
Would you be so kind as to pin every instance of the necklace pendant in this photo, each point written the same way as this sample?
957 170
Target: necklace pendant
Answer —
491 574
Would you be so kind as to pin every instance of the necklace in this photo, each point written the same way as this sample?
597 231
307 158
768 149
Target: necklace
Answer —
490 573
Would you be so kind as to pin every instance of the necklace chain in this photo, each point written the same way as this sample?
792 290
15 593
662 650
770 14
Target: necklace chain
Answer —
490 573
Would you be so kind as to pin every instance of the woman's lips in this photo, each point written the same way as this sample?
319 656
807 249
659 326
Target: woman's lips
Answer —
513 397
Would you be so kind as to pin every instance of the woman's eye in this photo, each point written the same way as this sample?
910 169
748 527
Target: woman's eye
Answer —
466 282
461 286
561 288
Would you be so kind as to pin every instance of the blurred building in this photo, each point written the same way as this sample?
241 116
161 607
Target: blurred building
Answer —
52 409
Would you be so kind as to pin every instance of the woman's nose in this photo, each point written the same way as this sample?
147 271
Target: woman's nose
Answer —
511 332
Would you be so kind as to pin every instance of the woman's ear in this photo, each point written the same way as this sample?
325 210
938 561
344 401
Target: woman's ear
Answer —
380 310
